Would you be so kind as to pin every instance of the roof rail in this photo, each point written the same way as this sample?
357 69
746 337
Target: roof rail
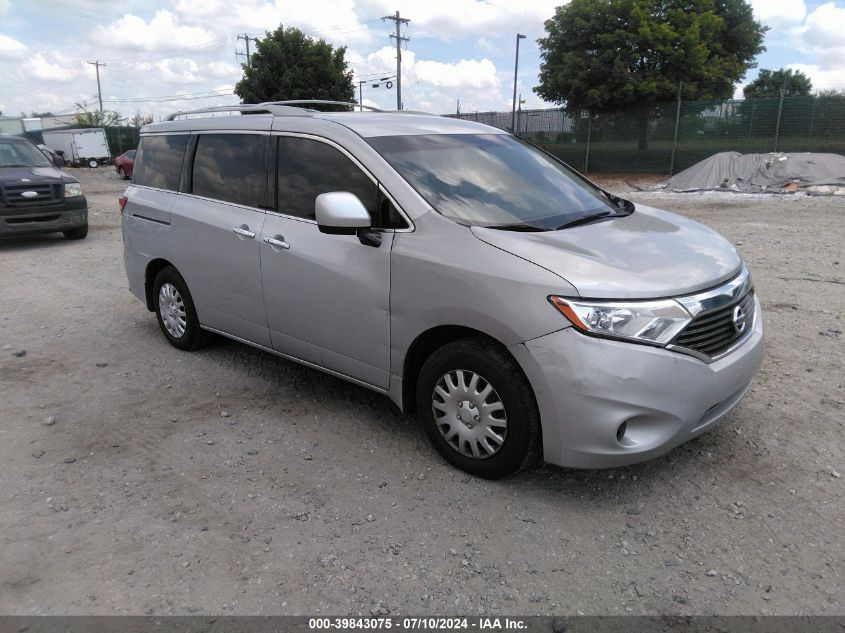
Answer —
253 108
322 102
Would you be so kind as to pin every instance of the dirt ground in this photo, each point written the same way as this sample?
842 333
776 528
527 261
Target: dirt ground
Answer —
140 479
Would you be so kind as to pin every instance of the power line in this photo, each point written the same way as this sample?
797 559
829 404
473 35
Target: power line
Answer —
172 98
398 22
173 52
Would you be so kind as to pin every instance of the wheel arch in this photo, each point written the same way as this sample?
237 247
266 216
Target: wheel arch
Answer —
150 273
425 344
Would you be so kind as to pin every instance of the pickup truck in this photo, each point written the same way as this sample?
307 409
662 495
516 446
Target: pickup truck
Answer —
35 196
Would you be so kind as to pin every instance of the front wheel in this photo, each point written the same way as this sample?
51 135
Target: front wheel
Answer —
478 410
175 311
122 173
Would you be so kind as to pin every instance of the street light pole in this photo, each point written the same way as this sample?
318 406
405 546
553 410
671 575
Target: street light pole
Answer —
519 36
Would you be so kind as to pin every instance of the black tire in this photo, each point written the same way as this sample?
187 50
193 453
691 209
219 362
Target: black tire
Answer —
522 441
122 173
79 233
194 336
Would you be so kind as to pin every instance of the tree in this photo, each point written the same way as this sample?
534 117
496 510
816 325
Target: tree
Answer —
770 82
138 119
97 118
289 65
608 55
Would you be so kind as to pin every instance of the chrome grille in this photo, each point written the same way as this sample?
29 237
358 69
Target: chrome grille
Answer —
13 195
713 332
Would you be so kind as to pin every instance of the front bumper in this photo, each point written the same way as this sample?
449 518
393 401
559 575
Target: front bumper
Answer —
587 387
69 214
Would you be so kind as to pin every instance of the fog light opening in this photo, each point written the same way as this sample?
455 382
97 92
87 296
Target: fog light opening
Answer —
620 432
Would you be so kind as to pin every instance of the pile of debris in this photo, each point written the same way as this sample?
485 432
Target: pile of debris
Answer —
816 174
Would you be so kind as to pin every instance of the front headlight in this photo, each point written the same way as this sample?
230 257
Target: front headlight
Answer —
656 322
72 189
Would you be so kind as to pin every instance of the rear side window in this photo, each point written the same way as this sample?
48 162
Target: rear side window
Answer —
159 161
308 168
231 168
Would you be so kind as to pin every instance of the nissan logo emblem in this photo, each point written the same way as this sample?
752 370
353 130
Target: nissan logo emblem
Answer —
740 320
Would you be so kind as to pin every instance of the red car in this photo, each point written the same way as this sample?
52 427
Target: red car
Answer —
124 164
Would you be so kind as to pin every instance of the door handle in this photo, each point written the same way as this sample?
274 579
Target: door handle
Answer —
277 241
243 232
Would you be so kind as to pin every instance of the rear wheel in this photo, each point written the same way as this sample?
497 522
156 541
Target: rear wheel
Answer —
79 233
478 410
175 311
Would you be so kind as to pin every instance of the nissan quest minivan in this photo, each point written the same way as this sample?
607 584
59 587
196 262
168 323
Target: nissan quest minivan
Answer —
517 308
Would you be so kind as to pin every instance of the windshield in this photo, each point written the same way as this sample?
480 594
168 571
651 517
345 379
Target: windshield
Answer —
21 154
493 180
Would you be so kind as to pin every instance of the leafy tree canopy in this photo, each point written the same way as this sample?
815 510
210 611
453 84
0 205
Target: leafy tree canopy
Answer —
612 54
770 82
289 65
96 118
138 119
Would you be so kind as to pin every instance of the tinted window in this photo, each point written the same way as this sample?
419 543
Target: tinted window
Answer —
492 180
21 153
308 168
231 168
130 154
159 161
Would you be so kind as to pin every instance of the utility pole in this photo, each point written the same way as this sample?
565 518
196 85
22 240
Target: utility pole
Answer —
519 36
246 38
97 64
399 39
361 83
677 127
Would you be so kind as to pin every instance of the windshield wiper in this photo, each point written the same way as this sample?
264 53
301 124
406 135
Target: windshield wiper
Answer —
587 219
526 228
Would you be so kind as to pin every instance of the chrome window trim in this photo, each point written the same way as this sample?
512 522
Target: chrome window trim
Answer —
218 201
133 184
367 172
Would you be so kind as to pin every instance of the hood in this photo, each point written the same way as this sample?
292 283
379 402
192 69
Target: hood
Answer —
14 175
648 254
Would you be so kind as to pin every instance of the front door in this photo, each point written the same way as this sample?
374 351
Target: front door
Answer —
327 296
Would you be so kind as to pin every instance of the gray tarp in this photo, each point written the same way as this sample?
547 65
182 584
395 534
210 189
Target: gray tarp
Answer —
753 173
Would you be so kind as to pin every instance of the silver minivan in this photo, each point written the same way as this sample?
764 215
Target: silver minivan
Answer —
517 308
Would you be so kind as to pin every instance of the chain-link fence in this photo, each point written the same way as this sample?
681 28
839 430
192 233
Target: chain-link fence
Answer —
666 138
122 138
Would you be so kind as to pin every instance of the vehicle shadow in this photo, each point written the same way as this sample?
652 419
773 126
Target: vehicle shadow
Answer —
32 242
612 485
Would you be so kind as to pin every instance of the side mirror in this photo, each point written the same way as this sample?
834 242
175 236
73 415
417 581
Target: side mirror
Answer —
341 212
58 161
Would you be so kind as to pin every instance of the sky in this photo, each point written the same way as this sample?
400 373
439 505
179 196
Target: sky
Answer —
167 55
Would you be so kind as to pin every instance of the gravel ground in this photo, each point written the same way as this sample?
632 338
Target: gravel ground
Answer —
139 479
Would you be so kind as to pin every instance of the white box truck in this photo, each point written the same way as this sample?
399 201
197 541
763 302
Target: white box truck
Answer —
86 146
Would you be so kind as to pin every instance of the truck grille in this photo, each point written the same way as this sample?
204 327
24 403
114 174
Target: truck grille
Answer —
712 333
13 195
